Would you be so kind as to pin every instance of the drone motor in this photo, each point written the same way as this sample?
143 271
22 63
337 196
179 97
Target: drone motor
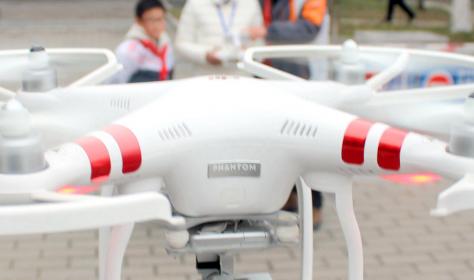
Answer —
461 140
20 147
349 69
39 76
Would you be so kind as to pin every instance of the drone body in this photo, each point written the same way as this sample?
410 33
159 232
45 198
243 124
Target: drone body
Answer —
227 149
222 150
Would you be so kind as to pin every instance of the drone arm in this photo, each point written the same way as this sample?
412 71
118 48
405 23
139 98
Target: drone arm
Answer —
402 152
351 146
107 155
87 160
459 196
66 166
420 152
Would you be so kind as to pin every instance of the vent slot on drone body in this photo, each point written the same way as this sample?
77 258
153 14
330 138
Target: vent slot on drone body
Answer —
354 171
299 129
120 103
175 132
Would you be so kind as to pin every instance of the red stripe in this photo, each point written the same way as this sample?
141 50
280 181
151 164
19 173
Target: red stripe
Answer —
388 154
98 156
354 141
129 147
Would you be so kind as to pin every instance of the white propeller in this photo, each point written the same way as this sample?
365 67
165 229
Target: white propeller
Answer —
353 94
71 63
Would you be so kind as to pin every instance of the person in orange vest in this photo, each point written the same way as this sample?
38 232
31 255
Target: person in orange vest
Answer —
146 53
296 22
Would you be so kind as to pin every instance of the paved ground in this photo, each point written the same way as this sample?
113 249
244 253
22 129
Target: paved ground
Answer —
401 240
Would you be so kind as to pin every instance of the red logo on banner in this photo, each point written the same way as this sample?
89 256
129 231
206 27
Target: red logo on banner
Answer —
439 79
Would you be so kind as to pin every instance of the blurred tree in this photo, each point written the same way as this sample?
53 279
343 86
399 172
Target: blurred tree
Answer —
421 4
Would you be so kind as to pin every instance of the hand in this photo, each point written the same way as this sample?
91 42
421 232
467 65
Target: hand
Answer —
212 58
257 32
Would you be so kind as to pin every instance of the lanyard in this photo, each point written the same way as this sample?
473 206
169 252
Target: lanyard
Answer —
227 26
161 54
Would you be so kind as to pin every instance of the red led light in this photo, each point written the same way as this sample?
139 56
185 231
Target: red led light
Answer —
79 189
413 179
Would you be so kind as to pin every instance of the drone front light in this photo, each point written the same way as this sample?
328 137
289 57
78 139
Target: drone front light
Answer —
67 190
413 179
79 189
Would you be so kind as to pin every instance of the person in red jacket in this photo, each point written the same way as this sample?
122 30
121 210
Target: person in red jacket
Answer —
146 53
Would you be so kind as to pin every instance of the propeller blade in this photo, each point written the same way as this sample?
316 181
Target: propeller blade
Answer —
389 73
71 63
407 96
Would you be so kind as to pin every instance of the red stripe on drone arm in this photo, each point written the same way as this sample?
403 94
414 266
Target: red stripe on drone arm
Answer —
98 156
353 144
390 146
129 147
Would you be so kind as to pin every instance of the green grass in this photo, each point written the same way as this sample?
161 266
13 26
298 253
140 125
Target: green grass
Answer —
356 15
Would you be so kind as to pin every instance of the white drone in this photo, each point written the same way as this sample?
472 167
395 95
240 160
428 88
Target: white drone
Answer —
215 158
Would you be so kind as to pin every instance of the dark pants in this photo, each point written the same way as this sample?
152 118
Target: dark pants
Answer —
402 4
317 198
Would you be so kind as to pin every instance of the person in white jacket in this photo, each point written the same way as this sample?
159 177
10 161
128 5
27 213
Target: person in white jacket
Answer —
213 33
146 54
